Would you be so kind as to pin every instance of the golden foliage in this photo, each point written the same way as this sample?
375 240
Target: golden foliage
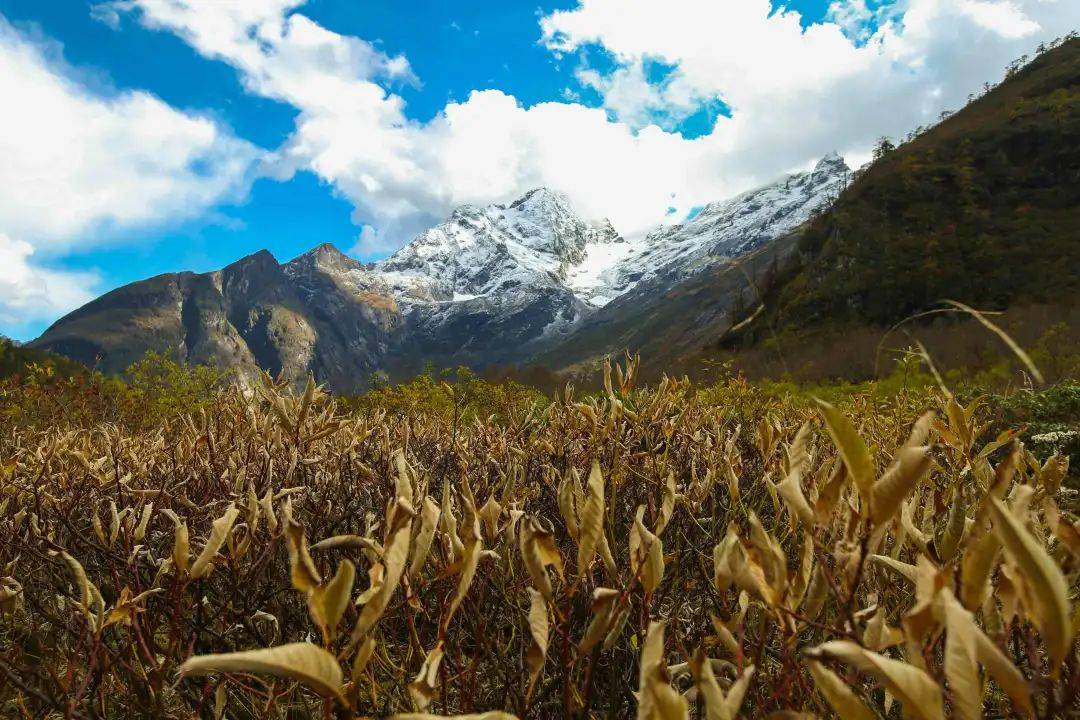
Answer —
862 555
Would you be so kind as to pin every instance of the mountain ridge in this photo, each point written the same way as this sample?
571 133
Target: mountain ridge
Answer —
981 208
494 285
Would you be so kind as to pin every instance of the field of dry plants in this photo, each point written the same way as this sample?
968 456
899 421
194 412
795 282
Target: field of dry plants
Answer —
648 553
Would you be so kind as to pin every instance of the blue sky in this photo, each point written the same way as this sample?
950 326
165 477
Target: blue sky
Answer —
630 113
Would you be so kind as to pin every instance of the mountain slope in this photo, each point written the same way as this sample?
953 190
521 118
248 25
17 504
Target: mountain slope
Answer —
496 285
250 315
681 288
490 284
982 208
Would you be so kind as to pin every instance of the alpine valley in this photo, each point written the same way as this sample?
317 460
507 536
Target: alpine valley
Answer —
499 285
981 208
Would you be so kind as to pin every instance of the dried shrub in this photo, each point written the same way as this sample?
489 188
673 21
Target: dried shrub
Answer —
664 552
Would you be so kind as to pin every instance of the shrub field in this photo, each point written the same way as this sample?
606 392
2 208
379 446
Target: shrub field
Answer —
193 550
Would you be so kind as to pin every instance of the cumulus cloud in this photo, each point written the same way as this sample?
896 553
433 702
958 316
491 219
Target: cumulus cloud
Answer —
632 97
75 161
29 292
794 93
80 165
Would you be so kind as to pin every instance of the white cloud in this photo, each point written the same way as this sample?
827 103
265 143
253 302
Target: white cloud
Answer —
795 94
854 17
633 99
77 166
281 54
75 162
30 293
1003 17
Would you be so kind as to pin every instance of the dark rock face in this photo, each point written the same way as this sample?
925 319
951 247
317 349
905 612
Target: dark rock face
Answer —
254 314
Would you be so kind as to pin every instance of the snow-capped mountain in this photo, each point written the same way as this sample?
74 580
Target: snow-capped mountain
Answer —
492 282
537 240
501 284
720 230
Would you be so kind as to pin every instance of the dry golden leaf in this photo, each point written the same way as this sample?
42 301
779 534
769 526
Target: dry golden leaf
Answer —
1069 535
816 593
958 423
422 688
856 456
722 573
620 614
591 520
538 629
144 520
790 488
568 505
397 551
1049 590
87 591
603 611
913 532
363 656
305 576
748 575
650 564
10 591
449 524
657 700
910 465
977 565
306 663
221 699
267 505
489 514
918 692
1053 472
328 602
95 522
538 550
114 523
830 492
950 540
841 698
961 668
737 692
181 552
878 635
474 547
349 541
801 581
218 533
708 687
1005 674
667 504
376 573
429 520
907 570
253 515
771 556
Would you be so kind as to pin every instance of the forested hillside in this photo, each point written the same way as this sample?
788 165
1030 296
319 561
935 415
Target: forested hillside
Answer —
982 208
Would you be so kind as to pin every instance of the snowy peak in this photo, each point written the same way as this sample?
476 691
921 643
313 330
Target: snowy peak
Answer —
534 242
833 162
723 229
538 243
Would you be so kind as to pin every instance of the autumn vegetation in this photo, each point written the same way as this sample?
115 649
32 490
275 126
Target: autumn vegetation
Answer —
178 547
